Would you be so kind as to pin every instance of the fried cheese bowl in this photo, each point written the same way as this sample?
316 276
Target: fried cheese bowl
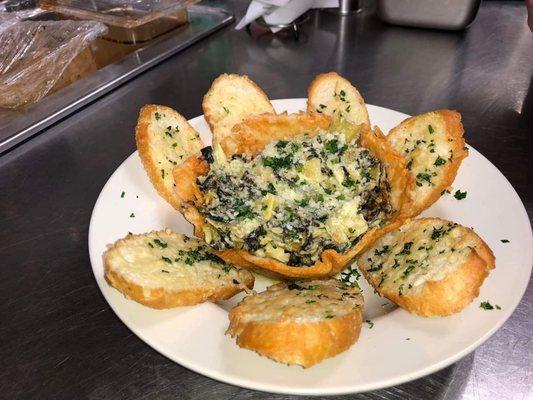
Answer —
300 197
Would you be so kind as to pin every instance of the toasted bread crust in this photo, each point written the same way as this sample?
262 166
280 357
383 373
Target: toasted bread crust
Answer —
270 323
162 297
446 296
451 120
150 151
256 132
230 99
324 91
302 344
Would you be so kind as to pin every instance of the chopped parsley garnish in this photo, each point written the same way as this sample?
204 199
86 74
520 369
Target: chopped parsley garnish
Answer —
165 271
132 215
122 195
282 144
322 106
370 324
487 306
408 270
150 245
332 146
504 241
303 202
166 259
236 282
225 110
376 268
163 173
406 248
160 243
430 129
410 164
384 250
459 195
439 161
157 116
350 276
310 301
437 233
329 315
423 176
278 162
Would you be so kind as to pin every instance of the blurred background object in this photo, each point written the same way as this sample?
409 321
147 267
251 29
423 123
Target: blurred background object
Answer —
437 14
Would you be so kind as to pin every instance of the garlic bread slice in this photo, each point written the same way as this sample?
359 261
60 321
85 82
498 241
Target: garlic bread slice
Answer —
333 95
301 322
164 139
428 266
230 99
162 269
433 146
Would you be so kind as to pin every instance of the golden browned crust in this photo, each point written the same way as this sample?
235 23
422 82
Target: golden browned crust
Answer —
149 150
454 132
230 99
323 96
160 298
256 132
451 294
292 343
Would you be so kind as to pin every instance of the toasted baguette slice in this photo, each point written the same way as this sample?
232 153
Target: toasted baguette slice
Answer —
230 99
335 96
164 139
299 323
433 146
164 269
428 266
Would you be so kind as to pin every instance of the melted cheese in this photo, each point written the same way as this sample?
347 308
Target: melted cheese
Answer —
162 260
295 198
423 250
302 302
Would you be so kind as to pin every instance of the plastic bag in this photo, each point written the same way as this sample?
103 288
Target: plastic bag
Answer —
37 57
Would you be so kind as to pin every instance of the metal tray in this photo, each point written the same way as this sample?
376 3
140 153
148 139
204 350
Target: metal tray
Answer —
18 125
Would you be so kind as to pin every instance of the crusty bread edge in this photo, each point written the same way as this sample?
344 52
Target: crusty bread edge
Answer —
304 344
205 101
333 75
437 297
142 140
159 297
452 121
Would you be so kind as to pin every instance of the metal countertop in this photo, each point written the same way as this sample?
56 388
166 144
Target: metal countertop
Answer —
60 339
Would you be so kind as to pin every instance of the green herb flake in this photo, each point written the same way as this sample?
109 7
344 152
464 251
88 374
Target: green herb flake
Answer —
157 116
370 324
406 248
132 215
165 271
163 173
487 306
322 106
439 161
329 315
430 129
310 301
460 195
504 241
225 110
166 259
332 146
160 243
122 195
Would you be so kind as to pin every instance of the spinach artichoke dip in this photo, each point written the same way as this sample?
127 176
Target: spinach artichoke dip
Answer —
295 198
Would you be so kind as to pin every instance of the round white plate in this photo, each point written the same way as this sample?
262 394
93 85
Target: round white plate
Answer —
398 348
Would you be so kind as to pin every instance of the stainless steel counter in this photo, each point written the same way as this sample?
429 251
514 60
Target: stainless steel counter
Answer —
60 339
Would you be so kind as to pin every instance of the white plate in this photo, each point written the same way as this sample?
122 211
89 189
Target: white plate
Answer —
194 336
